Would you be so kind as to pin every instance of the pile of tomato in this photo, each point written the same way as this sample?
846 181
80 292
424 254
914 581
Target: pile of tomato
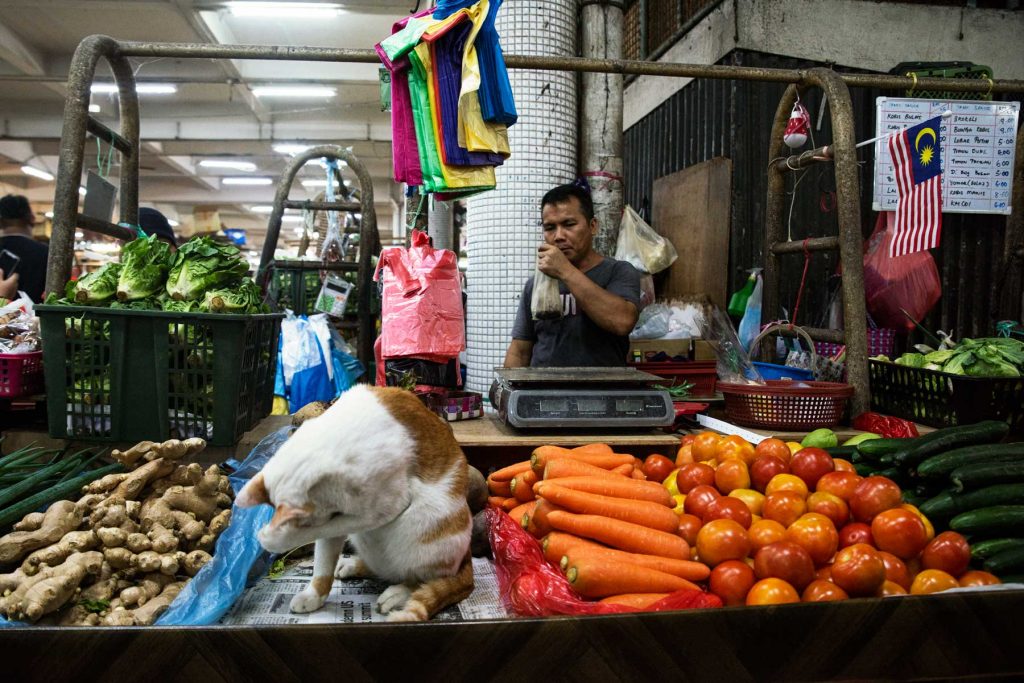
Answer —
778 523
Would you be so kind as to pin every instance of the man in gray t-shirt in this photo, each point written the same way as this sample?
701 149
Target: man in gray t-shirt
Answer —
600 296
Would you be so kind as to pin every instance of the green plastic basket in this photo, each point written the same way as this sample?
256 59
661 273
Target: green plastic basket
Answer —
948 70
296 289
122 375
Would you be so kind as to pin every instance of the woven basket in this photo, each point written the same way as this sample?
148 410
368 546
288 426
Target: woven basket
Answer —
781 405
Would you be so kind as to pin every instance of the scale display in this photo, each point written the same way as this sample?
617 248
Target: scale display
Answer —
545 408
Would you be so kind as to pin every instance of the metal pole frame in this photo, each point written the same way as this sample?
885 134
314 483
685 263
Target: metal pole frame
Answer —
369 237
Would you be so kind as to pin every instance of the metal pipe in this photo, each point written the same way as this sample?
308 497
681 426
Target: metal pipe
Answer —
810 244
343 267
800 161
775 205
322 206
100 130
104 227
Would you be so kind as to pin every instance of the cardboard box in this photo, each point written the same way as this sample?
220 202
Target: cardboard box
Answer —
701 349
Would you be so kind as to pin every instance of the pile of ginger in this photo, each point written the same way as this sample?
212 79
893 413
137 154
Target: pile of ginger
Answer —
121 553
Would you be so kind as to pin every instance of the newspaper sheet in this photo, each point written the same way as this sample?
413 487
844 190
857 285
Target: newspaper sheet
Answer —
352 601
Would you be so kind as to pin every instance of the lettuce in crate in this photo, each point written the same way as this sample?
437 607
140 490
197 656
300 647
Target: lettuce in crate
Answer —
144 265
202 264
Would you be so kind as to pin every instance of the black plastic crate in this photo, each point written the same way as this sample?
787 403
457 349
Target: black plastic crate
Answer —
296 289
941 399
122 375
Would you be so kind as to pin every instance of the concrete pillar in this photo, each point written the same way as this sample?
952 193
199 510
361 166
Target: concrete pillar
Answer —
439 224
503 225
601 119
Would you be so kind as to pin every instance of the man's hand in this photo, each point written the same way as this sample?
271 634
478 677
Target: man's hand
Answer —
8 286
551 261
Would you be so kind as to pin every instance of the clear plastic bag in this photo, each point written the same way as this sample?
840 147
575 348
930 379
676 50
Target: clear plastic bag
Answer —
546 301
653 322
641 246
530 587
733 361
908 282
750 325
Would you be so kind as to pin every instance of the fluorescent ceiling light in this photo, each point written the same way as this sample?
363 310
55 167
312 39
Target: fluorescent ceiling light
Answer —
140 88
94 109
36 173
79 234
228 163
290 148
294 91
245 181
81 190
285 10
171 222
314 183
48 214
291 219
261 209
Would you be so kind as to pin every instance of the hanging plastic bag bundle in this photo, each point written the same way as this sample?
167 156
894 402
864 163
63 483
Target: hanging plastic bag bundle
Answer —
546 300
908 282
643 248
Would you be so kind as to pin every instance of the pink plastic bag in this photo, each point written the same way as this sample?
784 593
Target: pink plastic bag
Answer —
909 282
530 587
421 307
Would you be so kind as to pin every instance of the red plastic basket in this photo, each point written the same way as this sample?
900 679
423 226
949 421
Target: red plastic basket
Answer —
701 373
21 374
781 405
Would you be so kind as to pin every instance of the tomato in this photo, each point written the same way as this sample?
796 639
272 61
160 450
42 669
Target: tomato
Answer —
774 447
874 494
731 581
657 467
839 484
858 570
720 540
928 527
787 482
689 525
823 573
811 464
734 448
732 475
949 552
786 561
753 499
855 532
704 446
830 505
765 532
816 534
932 581
728 508
978 578
764 469
899 532
844 465
687 440
772 592
684 456
785 507
891 588
693 475
698 499
895 570
823 591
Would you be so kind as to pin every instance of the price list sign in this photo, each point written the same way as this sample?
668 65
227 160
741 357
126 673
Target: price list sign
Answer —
977 149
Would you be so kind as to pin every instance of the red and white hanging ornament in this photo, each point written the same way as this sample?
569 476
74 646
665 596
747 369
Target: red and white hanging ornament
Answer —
797 127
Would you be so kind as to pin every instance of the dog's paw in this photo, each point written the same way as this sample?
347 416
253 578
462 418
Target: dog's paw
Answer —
307 600
349 567
393 598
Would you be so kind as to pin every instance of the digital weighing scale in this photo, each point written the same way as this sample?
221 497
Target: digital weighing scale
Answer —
580 397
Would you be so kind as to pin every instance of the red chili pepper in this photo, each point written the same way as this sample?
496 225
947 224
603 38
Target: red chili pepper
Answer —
886 426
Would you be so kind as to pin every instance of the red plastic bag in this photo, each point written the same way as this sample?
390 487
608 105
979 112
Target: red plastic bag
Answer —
909 282
885 426
531 587
421 307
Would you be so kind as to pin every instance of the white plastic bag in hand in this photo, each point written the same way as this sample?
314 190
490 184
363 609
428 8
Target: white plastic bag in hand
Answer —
546 302
640 246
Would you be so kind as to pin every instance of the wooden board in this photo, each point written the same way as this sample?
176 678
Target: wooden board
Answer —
692 208
488 431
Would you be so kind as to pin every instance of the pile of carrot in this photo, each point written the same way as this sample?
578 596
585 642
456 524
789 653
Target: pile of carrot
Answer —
613 534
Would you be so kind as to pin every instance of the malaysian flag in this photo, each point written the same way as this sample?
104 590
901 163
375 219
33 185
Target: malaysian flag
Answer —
918 171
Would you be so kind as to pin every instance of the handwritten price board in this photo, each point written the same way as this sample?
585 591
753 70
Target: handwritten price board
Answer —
977 149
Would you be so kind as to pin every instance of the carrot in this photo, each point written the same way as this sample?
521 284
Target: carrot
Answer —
556 544
593 577
650 515
500 488
522 486
497 501
627 536
506 473
519 511
592 448
684 569
616 487
607 461
566 467
625 470
537 521
640 601
638 474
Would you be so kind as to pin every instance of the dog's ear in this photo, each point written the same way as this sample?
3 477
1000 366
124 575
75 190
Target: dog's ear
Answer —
253 493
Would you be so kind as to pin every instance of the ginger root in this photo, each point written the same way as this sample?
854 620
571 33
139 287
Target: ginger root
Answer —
195 561
162 539
60 518
202 499
150 450
147 613
71 542
56 588
106 483
30 522
138 542
147 588
132 485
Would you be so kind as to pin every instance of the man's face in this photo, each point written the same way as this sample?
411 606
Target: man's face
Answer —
567 228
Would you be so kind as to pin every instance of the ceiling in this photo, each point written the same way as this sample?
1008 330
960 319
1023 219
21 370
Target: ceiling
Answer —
214 113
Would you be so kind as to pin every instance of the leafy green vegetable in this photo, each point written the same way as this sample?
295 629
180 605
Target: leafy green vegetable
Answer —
202 264
911 360
180 306
94 606
97 287
145 262
242 297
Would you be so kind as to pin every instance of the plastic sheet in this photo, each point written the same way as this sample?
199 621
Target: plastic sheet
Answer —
733 361
640 246
531 587
421 305
908 282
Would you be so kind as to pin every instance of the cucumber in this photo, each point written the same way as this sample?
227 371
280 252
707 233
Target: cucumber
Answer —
864 469
944 463
844 452
875 448
986 521
986 473
1012 578
982 550
1010 560
942 440
948 503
